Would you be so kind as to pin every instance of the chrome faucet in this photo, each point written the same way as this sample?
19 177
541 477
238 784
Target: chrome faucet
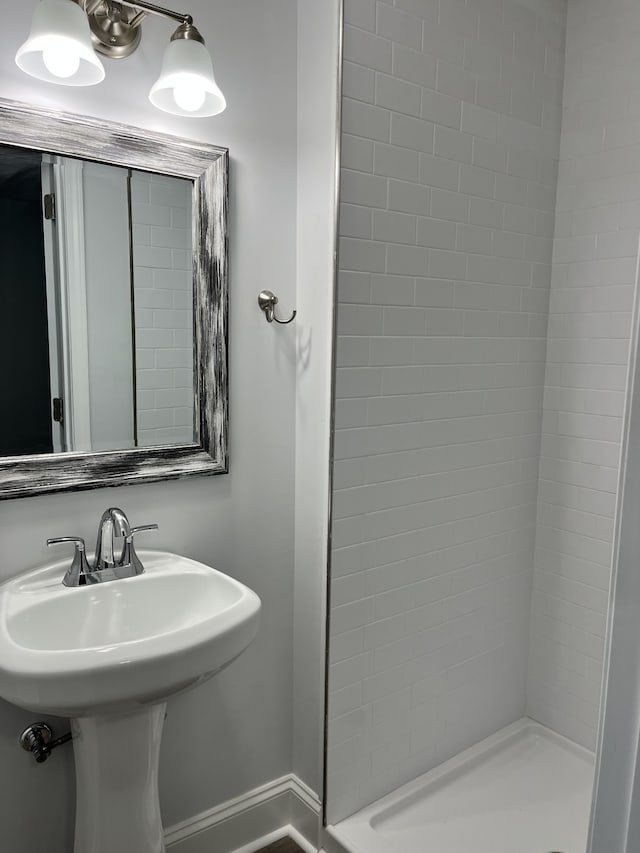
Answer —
113 524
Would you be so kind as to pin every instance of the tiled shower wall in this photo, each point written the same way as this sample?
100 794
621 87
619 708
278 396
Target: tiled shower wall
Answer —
594 273
163 292
451 126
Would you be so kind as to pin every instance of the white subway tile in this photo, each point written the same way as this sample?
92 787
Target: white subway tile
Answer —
449 205
352 351
394 162
436 233
408 197
397 25
355 221
521 220
392 290
171 279
412 133
388 351
173 319
453 144
458 17
477 182
447 265
366 120
523 163
493 95
361 13
150 214
479 121
455 81
438 172
537 248
427 10
403 321
490 154
441 109
152 256
365 255
481 60
513 190
398 95
394 227
414 66
510 245
442 43
407 260
433 293
486 212
363 189
526 106
471 238
360 320
366 49
358 82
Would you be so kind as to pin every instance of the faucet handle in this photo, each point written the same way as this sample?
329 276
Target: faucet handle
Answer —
139 529
79 569
129 556
79 542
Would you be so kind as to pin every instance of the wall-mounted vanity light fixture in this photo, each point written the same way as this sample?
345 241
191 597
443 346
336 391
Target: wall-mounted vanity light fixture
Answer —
65 35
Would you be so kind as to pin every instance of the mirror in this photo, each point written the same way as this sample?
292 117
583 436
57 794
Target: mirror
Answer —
104 257
113 276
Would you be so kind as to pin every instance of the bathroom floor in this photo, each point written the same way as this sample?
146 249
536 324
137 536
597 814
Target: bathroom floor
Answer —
285 845
524 789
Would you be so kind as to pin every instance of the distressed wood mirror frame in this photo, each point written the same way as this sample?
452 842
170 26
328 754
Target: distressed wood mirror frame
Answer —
207 166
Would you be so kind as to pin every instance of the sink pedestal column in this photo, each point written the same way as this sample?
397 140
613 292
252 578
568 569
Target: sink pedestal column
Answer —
117 806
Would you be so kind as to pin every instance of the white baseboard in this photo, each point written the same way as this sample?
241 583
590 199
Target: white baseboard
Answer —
281 808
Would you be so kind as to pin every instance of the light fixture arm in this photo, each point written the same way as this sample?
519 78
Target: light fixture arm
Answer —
181 17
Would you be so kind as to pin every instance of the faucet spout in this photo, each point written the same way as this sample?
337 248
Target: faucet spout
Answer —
113 524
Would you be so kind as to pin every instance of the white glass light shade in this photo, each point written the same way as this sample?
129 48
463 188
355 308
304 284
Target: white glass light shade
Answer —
59 49
186 86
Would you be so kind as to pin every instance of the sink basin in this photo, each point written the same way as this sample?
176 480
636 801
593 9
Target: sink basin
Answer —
111 646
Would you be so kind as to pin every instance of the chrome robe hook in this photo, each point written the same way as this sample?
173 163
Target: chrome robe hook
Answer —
267 302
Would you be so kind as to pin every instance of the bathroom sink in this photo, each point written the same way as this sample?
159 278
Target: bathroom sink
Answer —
108 654
111 647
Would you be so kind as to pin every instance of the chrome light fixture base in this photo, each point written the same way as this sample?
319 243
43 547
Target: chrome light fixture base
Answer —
115 28
188 32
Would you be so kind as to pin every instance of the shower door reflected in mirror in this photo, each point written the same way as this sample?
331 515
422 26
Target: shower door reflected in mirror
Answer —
97 286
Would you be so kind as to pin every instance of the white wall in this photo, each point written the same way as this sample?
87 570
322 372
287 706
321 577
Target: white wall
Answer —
451 130
592 289
233 733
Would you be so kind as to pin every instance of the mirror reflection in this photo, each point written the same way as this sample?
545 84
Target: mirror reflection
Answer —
97 288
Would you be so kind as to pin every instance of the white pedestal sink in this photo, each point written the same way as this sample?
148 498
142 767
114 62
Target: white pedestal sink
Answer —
108 655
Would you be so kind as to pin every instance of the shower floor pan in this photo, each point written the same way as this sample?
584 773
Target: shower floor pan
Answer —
523 790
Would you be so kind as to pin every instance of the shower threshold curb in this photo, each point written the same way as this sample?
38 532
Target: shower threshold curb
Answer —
390 824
